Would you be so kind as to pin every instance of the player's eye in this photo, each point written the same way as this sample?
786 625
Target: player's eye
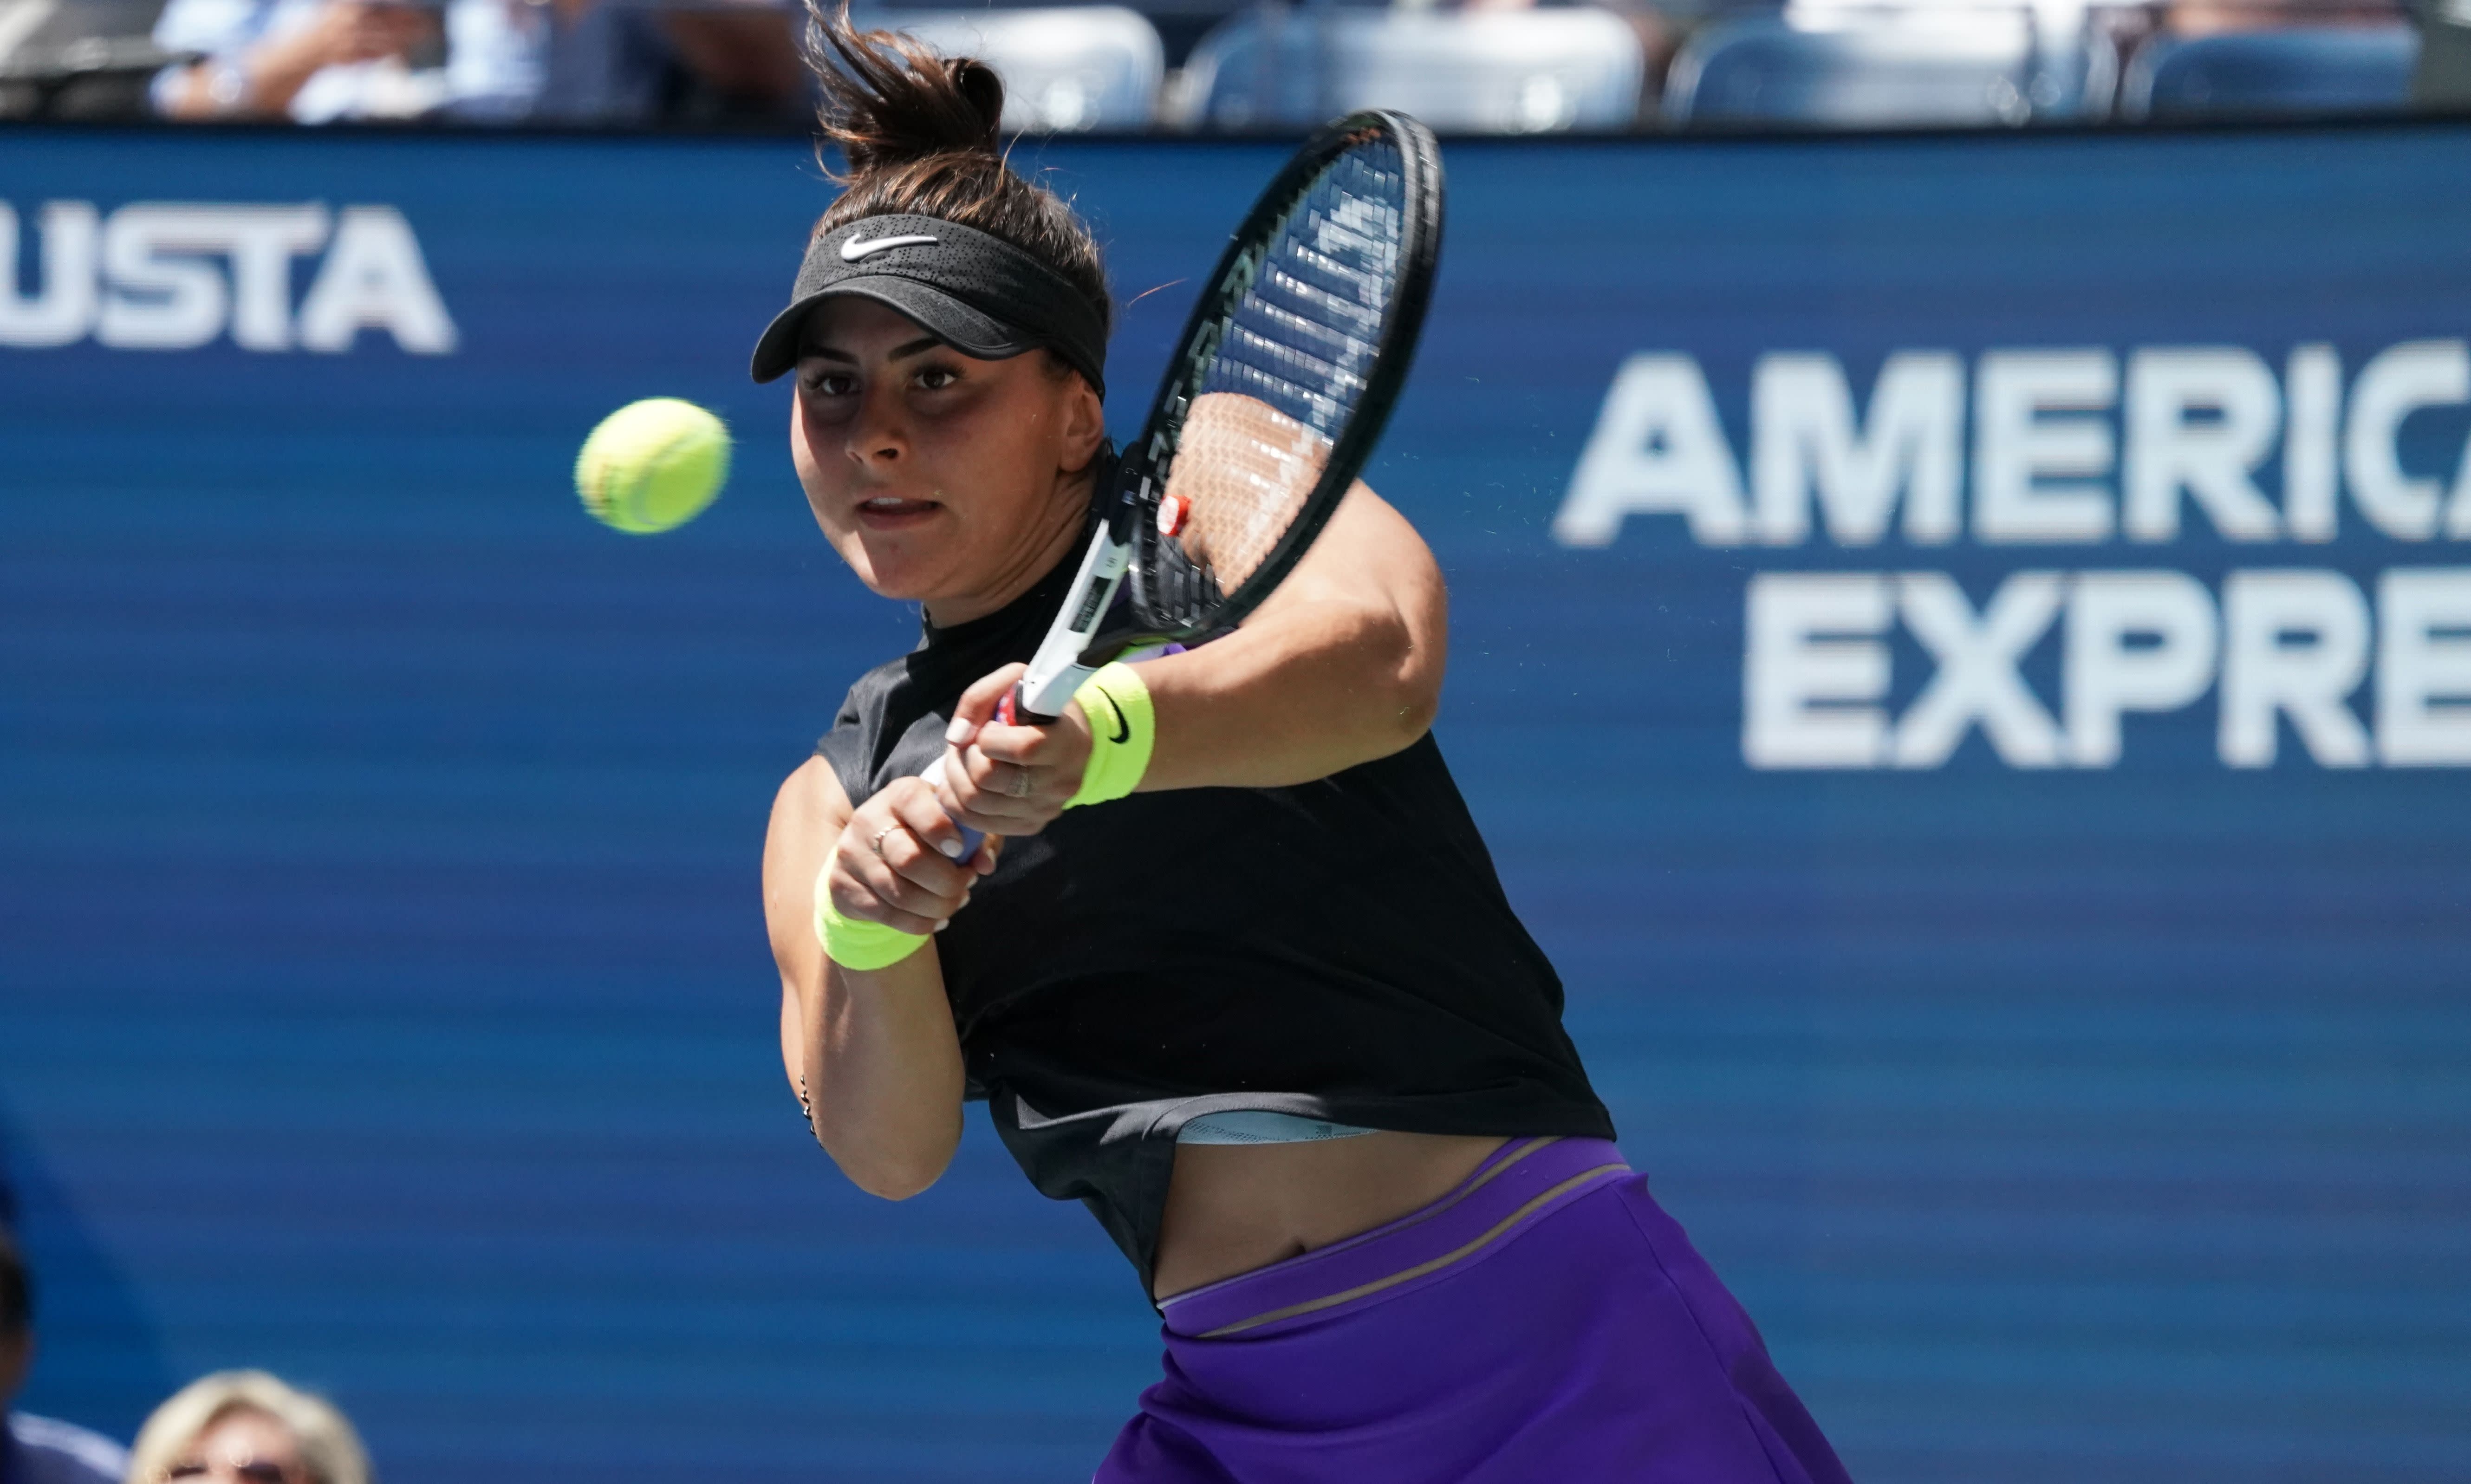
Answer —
936 378
825 381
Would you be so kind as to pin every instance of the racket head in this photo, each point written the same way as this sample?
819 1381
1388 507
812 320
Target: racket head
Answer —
1284 376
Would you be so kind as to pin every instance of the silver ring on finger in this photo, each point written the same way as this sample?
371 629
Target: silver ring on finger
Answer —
1019 787
877 844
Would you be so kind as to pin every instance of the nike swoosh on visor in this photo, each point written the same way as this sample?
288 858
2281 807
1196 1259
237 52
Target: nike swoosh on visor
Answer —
857 247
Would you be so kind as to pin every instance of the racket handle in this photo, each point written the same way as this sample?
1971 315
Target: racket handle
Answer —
971 841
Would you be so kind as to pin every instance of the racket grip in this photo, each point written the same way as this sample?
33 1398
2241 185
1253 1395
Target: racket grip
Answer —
971 841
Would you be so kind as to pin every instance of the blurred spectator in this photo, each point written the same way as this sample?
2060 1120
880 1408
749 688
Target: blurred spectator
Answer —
560 62
36 1450
1659 26
320 60
78 59
641 61
745 56
2442 79
2215 17
247 1428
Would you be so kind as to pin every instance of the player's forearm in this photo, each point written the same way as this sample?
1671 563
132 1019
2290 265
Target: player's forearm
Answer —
1308 690
884 1077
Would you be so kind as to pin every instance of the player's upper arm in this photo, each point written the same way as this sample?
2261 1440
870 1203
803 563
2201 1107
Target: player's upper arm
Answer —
1371 562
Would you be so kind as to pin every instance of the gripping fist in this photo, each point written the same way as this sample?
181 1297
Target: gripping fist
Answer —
1010 779
894 863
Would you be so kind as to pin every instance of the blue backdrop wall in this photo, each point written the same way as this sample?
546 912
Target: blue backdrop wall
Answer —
1960 650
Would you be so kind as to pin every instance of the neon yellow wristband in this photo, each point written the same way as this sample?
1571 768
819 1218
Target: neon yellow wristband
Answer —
1122 729
854 944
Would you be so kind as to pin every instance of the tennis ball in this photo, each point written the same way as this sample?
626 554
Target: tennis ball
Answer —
653 465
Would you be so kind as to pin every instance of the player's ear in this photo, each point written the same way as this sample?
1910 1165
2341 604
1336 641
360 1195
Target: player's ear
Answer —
1085 422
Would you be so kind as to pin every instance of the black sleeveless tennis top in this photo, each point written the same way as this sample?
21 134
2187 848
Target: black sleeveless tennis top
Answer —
1339 950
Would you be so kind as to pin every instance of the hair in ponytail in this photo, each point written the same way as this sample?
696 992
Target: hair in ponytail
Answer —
920 135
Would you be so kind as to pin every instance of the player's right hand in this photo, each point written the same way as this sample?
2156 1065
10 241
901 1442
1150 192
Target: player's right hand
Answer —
894 863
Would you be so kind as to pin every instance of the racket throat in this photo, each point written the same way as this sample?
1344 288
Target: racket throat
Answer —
1057 670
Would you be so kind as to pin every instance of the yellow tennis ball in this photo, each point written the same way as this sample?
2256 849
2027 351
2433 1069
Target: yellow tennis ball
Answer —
653 465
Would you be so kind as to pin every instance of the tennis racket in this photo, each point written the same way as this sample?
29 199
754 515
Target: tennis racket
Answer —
1270 406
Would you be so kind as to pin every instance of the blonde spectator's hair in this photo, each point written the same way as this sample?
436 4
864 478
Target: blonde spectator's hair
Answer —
329 1446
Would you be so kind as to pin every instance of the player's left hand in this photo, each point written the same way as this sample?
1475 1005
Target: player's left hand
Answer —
1010 780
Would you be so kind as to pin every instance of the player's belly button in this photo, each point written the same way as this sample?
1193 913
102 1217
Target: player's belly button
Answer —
1232 1209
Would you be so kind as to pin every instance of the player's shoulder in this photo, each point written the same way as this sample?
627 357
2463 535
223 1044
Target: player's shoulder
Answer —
871 692
810 795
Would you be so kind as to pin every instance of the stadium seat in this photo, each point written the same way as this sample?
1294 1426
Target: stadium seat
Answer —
1523 72
1066 68
2305 69
78 59
1944 68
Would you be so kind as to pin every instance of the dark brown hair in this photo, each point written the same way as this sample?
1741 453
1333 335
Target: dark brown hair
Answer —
919 136
17 1292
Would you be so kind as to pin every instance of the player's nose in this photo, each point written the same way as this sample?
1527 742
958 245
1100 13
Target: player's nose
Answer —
877 436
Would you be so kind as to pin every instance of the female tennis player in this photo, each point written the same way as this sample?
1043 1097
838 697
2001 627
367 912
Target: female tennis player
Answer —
1233 966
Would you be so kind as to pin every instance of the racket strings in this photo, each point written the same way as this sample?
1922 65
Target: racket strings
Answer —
1250 469
1291 364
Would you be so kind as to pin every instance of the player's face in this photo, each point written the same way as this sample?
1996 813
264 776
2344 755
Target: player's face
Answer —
936 476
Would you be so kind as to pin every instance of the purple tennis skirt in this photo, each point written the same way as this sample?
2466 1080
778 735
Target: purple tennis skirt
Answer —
1542 1322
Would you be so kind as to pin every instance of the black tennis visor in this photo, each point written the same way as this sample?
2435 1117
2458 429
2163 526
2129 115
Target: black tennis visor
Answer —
971 290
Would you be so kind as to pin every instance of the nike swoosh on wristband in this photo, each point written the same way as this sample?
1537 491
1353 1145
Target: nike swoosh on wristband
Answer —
857 247
1123 728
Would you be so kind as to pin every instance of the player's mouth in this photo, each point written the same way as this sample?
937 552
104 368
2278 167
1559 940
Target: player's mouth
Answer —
891 513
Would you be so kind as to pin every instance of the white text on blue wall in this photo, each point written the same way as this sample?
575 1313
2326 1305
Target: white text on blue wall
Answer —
2069 447
172 275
